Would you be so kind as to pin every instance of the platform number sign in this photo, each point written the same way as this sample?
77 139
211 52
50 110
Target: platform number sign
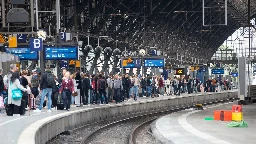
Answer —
22 38
63 36
36 44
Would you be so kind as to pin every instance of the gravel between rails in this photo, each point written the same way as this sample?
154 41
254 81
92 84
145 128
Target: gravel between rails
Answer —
144 136
117 134
75 137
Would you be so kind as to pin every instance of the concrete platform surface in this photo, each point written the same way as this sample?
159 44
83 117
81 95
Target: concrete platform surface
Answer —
11 127
190 127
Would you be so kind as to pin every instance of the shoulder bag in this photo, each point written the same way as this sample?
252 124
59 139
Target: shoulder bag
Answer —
16 93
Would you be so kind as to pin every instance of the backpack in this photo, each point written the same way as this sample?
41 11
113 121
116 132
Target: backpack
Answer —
50 80
34 82
102 84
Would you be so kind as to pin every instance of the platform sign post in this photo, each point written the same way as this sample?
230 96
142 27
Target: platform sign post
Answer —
36 44
242 79
21 38
63 36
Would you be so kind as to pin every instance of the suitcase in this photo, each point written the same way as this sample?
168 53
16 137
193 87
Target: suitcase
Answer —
60 104
32 105
23 107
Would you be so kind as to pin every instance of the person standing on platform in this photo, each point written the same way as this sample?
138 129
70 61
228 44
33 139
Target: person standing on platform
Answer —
149 87
168 86
1 82
161 86
189 85
86 89
117 85
110 88
136 87
34 83
126 86
74 99
47 82
24 82
67 88
13 85
101 87
143 84
79 87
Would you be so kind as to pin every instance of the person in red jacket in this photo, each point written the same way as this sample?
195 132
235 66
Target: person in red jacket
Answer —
67 88
161 86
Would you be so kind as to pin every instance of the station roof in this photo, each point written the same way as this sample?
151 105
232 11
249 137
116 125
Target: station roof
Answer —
174 26
170 25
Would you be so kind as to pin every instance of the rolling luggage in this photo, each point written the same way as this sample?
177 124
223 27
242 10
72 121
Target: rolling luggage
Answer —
60 104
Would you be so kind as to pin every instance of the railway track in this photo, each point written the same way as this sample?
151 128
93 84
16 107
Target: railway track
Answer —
111 131
136 122
135 132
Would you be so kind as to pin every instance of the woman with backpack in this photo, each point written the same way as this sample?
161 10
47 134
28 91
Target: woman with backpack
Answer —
15 106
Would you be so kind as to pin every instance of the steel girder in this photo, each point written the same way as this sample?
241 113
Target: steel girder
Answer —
141 23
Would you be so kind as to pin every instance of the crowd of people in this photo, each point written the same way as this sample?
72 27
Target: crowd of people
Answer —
31 90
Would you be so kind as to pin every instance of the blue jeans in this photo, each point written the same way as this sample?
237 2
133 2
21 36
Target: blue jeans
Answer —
72 100
135 91
143 90
46 92
161 90
149 91
117 95
131 92
92 98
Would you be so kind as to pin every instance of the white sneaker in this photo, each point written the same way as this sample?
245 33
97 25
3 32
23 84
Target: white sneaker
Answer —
37 110
49 111
16 115
64 108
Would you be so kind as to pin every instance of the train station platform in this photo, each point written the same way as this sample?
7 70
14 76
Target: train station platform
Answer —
38 128
190 126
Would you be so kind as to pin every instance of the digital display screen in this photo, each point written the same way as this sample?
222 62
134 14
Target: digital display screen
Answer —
154 62
135 64
179 71
217 71
61 53
23 53
234 74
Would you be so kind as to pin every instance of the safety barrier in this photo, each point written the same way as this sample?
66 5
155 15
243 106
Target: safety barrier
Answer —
44 130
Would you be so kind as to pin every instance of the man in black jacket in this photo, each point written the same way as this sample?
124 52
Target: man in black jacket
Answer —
46 89
126 85
86 88
143 84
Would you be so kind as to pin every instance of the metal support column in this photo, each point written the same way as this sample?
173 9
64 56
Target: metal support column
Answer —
41 56
242 83
3 14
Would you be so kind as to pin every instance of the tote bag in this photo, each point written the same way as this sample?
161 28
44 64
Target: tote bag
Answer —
16 93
